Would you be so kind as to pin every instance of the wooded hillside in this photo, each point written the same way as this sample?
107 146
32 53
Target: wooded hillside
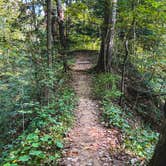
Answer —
82 82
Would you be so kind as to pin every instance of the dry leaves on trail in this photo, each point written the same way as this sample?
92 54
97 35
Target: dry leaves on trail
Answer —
88 143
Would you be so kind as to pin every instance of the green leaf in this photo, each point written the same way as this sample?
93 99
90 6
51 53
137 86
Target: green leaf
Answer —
24 158
52 158
32 136
37 153
59 144
35 145
46 138
7 164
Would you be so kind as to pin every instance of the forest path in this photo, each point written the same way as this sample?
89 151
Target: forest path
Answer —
88 143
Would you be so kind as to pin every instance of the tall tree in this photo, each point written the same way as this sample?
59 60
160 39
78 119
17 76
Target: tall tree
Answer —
49 33
49 46
111 36
61 23
108 34
60 13
159 157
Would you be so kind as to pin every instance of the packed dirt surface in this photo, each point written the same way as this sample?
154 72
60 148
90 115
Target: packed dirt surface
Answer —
88 143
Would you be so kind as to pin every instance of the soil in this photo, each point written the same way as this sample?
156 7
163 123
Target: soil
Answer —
89 143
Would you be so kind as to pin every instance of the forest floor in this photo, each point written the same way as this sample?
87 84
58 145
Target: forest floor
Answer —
89 143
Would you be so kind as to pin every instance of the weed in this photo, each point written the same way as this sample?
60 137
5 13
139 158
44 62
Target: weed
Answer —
42 142
106 86
140 140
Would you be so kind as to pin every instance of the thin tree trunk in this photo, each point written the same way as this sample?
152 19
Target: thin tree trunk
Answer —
112 35
54 28
61 30
49 33
105 28
61 23
123 72
49 47
107 44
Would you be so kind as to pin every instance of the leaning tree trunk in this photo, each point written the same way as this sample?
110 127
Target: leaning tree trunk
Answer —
108 33
159 157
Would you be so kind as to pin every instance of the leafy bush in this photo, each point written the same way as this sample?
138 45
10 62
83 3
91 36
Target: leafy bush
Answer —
42 142
140 140
84 42
106 86
113 115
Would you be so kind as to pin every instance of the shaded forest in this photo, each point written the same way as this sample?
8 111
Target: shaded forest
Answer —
82 82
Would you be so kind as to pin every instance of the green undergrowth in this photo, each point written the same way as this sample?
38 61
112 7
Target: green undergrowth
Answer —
138 138
105 86
84 42
42 142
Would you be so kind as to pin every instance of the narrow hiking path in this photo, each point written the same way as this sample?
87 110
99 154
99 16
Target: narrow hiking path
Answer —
88 142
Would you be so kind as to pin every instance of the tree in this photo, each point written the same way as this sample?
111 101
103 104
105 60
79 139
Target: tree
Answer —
49 33
111 36
61 17
108 34
159 157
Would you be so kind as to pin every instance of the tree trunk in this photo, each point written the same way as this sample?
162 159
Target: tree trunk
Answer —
122 87
159 157
105 28
49 48
61 30
54 27
49 33
61 23
108 34
112 35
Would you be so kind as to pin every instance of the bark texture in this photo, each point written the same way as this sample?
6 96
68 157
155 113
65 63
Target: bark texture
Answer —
159 157
108 34
49 47
61 23
49 33
111 36
61 19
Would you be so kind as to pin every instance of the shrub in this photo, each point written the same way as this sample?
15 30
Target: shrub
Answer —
106 86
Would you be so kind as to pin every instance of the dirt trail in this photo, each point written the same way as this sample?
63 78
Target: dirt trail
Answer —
88 142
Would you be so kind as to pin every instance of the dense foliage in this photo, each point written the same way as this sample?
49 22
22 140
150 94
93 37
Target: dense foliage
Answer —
29 89
139 138
36 100
42 141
